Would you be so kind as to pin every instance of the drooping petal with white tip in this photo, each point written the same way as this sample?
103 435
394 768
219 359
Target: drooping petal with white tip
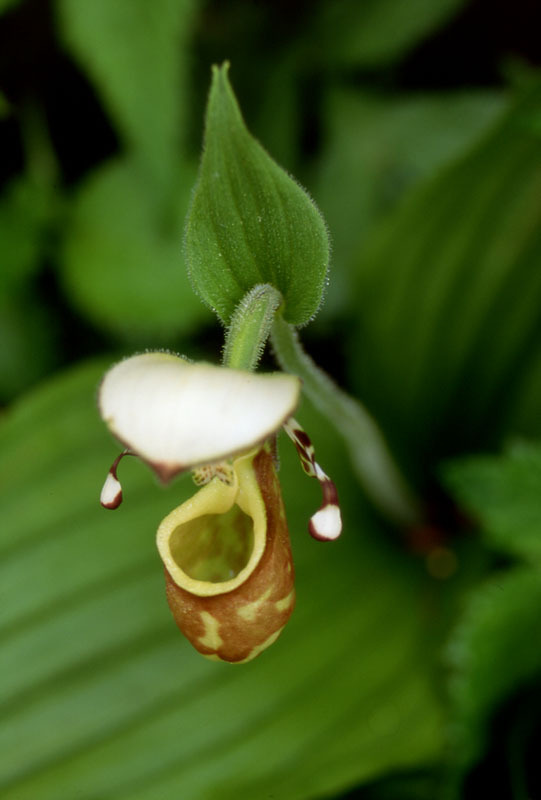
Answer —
326 523
111 493
176 415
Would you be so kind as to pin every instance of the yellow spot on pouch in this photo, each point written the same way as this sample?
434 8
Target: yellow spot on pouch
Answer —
212 656
260 647
285 602
249 611
211 637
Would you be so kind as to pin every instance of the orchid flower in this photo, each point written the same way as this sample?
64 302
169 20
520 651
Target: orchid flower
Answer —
226 551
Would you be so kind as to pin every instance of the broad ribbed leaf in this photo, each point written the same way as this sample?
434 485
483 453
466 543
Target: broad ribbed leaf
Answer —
135 52
378 148
503 493
449 297
99 689
122 264
249 222
491 654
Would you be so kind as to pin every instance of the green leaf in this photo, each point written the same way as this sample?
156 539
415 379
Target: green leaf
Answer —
25 210
5 107
377 149
250 222
491 654
136 54
374 32
449 297
6 5
30 329
101 691
277 117
27 328
122 264
503 494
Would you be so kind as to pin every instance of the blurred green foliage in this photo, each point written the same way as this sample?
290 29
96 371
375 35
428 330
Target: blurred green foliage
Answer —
492 652
446 276
415 127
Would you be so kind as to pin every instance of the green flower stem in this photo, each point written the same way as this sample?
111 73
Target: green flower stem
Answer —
370 455
250 327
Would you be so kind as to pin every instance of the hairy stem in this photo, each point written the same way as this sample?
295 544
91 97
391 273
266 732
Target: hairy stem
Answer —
250 327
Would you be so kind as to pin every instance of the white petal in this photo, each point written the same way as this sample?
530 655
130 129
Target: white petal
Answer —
326 524
111 494
176 415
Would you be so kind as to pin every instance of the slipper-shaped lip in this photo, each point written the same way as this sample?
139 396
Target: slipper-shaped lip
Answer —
176 415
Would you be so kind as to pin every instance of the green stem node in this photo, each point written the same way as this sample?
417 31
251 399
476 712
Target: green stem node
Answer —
250 327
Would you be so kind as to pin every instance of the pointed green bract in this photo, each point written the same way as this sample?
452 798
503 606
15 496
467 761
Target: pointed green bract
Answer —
250 222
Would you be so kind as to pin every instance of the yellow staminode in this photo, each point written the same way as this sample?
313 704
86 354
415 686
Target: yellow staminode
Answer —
201 531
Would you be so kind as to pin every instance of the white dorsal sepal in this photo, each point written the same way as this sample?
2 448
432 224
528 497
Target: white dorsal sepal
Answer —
176 415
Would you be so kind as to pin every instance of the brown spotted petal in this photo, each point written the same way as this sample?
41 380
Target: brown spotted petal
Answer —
228 565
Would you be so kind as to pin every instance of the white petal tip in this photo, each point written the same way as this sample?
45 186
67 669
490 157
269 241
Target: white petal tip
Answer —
326 524
111 494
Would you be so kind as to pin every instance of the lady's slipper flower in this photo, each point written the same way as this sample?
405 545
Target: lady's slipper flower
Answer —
226 551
